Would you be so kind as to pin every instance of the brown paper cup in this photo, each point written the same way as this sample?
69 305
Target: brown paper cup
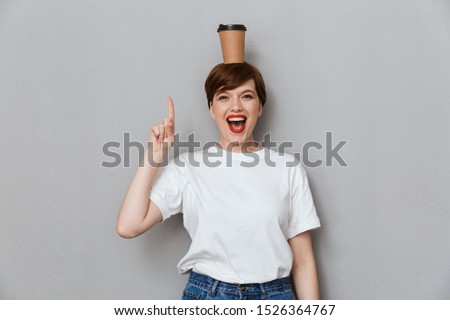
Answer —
232 41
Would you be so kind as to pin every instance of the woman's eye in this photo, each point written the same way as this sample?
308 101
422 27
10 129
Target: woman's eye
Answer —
248 96
222 98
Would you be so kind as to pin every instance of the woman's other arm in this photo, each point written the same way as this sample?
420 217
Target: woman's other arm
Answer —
138 213
304 271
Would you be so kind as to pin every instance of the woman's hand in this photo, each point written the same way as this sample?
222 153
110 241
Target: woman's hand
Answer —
162 136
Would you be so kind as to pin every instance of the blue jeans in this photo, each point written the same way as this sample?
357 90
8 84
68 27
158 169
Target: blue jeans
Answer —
201 287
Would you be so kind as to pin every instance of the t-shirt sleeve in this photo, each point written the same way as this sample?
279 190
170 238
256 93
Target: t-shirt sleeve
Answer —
166 191
302 215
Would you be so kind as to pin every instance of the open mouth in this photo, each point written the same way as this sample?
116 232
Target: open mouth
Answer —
236 123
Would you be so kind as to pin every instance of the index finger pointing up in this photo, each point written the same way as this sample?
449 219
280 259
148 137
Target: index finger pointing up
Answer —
171 110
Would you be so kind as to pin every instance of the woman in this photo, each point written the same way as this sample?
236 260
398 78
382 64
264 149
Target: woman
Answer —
248 210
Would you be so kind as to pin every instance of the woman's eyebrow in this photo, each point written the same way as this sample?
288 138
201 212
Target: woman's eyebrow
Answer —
227 91
248 90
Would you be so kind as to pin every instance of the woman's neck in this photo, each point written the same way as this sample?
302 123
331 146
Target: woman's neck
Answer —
247 146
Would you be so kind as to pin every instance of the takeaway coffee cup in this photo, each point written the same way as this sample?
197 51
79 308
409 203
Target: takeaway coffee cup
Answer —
232 41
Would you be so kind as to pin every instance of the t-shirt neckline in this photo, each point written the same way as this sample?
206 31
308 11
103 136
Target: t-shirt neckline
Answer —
235 155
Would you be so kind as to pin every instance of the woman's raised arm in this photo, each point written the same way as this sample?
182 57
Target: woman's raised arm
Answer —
138 213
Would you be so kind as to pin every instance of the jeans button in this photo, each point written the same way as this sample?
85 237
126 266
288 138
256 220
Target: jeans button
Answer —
241 287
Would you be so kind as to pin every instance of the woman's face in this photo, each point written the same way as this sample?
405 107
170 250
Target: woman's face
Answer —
236 113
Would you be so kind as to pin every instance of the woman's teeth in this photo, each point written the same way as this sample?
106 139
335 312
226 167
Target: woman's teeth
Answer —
236 119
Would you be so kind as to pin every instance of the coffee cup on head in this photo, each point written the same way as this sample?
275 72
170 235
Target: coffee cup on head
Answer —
232 41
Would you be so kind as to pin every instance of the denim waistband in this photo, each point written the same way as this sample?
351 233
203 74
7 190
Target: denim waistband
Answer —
206 282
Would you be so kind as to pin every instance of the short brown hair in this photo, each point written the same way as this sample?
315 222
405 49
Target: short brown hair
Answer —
230 76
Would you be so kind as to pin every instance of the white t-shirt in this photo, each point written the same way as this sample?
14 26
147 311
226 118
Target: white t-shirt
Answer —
239 210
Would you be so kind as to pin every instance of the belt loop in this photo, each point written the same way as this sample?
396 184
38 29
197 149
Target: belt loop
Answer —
263 292
213 288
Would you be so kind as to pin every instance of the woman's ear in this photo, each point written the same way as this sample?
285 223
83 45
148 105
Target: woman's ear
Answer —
260 110
211 110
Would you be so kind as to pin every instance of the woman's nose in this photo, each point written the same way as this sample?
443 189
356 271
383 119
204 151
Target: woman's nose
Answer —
236 104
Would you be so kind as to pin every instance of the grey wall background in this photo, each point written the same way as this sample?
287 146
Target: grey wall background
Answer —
77 74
